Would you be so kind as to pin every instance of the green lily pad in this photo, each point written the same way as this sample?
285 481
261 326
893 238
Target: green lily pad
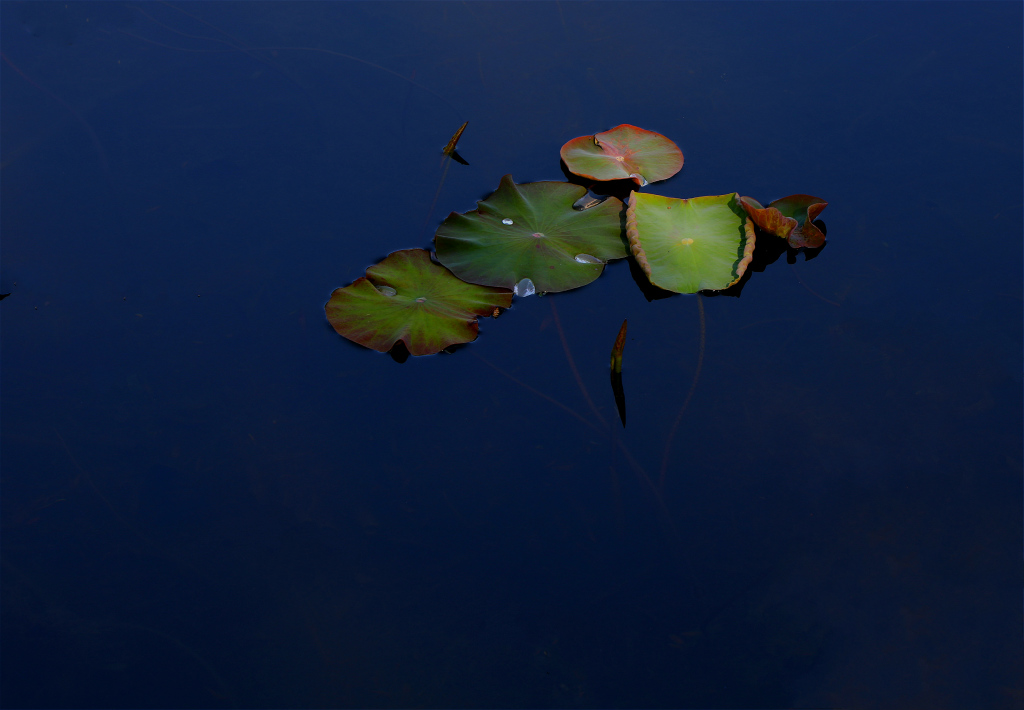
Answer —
624 152
529 237
408 297
791 218
699 244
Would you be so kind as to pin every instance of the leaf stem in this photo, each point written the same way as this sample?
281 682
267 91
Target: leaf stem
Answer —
689 395
572 365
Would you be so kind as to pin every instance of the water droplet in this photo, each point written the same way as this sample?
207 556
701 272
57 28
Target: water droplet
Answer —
525 288
588 259
506 221
537 235
643 180
588 200
421 299
387 290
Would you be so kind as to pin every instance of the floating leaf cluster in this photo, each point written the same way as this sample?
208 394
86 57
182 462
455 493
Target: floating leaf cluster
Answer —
548 237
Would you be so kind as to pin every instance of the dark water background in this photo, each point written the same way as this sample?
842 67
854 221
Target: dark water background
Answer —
210 499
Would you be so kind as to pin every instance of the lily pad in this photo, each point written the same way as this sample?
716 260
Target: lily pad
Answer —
699 244
530 237
624 152
408 297
791 218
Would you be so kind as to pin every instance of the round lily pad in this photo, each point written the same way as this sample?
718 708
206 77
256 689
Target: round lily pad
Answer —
623 152
530 238
408 297
699 244
791 218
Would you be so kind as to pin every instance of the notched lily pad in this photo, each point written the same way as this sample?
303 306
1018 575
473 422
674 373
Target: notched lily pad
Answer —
624 152
791 218
408 297
530 238
699 244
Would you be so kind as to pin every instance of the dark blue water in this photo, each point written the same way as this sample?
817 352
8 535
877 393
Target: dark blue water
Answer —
210 499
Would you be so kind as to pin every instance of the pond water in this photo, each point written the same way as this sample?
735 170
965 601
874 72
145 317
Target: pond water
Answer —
211 499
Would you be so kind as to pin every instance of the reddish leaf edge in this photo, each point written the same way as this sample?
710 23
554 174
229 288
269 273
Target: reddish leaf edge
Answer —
640 181
798 232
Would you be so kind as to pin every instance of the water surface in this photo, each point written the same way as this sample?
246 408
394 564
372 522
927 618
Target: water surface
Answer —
210 499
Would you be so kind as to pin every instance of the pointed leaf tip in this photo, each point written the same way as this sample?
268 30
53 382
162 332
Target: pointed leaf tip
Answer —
620 343
449 149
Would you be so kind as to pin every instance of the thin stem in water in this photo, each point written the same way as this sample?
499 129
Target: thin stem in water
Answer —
572 365
689 395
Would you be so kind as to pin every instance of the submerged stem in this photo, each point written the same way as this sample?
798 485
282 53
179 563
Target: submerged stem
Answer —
447 164
572 365
689 395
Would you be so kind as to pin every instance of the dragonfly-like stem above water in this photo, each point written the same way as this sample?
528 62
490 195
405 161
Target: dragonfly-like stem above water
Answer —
449 150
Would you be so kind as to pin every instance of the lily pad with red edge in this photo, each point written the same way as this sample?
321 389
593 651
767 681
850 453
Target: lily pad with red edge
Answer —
791 218
624 152
531 231
408 297
699 244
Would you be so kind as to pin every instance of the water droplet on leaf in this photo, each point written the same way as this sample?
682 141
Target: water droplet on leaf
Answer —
387 290
643 180
588 259
588 200
525 288
506 221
